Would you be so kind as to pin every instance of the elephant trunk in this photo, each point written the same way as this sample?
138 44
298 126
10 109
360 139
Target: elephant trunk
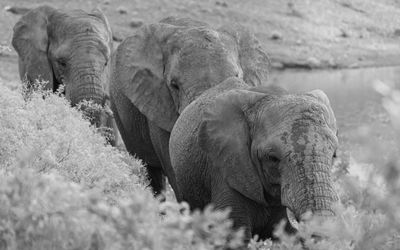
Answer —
309 188
88 86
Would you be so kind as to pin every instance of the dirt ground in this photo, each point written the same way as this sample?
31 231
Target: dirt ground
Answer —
295 33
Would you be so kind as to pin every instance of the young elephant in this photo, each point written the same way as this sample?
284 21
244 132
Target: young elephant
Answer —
71 48
162 68
260 151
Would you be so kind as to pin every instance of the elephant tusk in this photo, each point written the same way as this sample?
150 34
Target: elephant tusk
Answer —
292 219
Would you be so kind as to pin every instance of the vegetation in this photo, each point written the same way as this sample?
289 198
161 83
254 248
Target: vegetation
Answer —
63 187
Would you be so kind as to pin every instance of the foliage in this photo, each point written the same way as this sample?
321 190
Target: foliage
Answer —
44 125
45 211
4 48
63 187
97 115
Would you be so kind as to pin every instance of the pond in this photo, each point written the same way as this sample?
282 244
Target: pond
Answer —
361 118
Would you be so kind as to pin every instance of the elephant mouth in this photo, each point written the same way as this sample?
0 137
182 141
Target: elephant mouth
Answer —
273 200
292 219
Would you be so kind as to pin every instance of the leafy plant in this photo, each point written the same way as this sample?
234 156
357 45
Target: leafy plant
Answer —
63 187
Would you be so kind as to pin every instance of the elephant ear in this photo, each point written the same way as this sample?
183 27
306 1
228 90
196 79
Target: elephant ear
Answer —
323 98
99 14
253 60
224 136
139 74
31 42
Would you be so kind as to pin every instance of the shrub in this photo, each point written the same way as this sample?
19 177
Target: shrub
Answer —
59 139
45 211
63 187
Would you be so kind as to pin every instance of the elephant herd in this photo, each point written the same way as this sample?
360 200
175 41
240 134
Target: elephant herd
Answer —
193 102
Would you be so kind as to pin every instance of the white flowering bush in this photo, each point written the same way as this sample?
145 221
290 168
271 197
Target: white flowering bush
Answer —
63 187
44 125
45 211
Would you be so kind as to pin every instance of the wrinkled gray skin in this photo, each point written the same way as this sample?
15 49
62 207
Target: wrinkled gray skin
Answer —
71 48
161 69
258 151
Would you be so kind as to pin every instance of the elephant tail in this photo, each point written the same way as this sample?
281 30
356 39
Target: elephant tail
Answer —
17 10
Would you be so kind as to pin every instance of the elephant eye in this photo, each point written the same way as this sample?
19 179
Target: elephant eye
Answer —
62 62
273 158
334 155
271 167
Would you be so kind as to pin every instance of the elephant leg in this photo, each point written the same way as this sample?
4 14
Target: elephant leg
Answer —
223 197
160 140
134 130
256 219
157 179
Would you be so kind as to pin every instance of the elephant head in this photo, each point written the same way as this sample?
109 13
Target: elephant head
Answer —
163 67
71 48
274 148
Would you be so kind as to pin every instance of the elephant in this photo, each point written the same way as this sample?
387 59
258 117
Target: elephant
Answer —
161 69
72 48
261 151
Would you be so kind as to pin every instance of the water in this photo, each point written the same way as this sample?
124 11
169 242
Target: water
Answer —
358 107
